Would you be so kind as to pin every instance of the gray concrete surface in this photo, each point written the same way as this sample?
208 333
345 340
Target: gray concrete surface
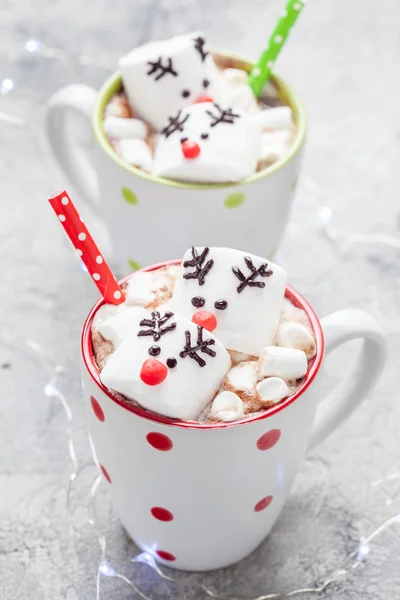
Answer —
343 59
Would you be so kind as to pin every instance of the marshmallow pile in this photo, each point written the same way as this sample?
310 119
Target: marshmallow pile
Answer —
212 339
185 119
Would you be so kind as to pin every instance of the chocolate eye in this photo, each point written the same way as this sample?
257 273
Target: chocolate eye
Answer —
183 140
204 136
185 94
171 363
154 350
198 301
220 304
206 83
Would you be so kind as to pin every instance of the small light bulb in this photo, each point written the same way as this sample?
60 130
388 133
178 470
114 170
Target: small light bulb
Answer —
31 45
106 570
325 214
49 390
145 558
6 86
363 551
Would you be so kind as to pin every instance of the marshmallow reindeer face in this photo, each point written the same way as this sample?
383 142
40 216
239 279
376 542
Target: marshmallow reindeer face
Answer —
162 77
168 364
237 296
208 143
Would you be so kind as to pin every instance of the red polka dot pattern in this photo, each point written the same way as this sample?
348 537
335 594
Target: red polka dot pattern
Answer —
162 514
105 473
98 411
165 555
269 439
263 503
159 441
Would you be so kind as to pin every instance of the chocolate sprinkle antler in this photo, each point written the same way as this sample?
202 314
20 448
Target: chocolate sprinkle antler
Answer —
199 43
174 124
155 325
200 346
224 116
158 68
197 262
263 271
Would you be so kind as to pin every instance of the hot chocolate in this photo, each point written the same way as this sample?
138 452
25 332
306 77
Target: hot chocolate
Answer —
157 122
213 339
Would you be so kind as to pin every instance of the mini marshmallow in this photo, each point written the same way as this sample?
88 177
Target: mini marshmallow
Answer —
275 118
168 365
117 127
242 291
293 313
136 152
243 376
117 327
164 76
269 90
287 363
227 406
208 143
151 287
233 75
295 335
275 144
107 311
237 357
236 91
118 107
273 389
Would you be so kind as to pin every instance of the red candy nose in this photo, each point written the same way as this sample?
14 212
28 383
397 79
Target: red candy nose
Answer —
203 98
153 372
205 319
190 149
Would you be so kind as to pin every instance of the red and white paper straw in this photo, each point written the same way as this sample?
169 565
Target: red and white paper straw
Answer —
86 248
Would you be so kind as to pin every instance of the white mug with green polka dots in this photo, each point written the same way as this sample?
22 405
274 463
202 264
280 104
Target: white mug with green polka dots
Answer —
200 496
149 217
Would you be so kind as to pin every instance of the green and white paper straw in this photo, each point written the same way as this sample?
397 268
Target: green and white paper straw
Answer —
262 69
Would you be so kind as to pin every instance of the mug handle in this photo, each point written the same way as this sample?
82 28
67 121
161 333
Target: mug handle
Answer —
341 327
73 158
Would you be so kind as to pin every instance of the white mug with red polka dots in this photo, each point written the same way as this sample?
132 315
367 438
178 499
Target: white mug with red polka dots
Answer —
201 496
150 217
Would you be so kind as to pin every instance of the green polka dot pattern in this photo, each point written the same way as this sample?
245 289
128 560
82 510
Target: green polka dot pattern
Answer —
235 200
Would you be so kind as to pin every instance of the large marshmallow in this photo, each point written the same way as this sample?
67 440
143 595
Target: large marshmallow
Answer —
227 142
188 387
136 152
227 406
295 335
164 76
287 363
251 317
120 128
273 389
